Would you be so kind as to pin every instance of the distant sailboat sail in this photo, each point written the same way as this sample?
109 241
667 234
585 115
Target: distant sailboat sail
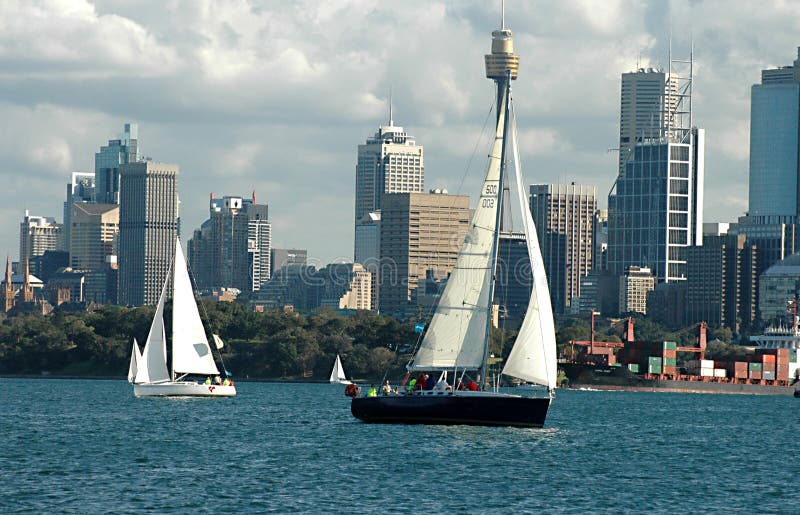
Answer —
153 365
136 357
337 374
191 353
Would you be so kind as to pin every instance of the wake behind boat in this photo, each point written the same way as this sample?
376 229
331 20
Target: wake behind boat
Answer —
191 353
457 339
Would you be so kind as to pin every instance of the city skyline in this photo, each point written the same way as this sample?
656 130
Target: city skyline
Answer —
292 138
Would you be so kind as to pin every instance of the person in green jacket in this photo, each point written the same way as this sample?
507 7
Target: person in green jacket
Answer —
411 385
372 392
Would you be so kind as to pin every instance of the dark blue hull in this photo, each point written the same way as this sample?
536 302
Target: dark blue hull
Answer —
452 409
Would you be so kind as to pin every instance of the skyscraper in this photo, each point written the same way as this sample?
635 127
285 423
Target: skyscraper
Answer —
148 226
655 211
564 216
80 189
38 234
774 143
419 232
642 108
93 251
232 248
107 164
389 162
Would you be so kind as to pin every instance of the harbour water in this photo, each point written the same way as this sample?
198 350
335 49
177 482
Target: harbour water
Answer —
91 447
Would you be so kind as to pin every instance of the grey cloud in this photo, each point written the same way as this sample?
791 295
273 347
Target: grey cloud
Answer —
275 96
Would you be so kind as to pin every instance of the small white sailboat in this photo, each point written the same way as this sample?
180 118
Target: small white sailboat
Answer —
337 374
136 357
191 353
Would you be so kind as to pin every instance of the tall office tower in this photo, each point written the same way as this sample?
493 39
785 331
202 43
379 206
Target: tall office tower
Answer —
148 227
564 217
644 95
722 282
280 258
633 287
107 164
38 234
655 211
774 206
92 250
368 241
389 162
419 232
600 239
80 190
232 248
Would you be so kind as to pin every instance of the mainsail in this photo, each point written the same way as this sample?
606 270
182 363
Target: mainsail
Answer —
136 357
153 364
456 334
533 357
191 353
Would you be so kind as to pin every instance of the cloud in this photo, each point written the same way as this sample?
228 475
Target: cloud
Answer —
276 96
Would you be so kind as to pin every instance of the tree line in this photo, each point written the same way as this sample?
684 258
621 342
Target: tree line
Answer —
263 345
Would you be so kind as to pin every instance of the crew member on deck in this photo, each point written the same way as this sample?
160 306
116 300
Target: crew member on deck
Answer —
386 389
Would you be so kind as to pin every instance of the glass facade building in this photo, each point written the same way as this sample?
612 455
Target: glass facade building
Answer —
774 115
106 164
655 212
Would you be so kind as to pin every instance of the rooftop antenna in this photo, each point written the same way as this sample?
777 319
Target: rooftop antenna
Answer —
391 119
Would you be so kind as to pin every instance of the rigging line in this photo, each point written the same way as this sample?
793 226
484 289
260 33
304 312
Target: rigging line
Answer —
475 149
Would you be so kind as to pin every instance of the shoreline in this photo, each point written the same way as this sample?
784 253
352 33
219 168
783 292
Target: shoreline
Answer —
124 378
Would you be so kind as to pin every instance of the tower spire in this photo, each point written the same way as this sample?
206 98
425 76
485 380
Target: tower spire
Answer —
502 14
391 118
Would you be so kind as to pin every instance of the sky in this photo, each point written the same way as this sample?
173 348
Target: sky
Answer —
275 96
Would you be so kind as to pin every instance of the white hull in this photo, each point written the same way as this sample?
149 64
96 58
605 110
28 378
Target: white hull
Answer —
341 381
183 389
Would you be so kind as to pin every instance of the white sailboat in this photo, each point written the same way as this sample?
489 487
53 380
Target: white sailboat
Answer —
136 357
457 339
191 354
337 374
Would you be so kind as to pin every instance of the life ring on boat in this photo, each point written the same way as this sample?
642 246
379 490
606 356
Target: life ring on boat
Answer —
352 390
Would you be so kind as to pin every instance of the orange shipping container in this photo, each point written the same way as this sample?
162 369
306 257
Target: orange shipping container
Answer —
768 358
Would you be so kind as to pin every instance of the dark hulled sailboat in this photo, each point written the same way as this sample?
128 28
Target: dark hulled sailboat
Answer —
457 338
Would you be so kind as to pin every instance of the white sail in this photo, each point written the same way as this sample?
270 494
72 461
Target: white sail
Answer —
456 334
191 353
337 374
218 343
533 357
153 364
136 357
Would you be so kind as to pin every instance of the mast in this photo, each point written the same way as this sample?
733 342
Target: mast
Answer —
505 84
502 66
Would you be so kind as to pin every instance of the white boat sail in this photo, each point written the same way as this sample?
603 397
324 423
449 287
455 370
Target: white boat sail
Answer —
337 374
136 357
191 353
458 334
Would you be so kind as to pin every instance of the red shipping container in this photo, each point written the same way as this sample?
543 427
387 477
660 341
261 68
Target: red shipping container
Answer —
782 353
670 354
755 374
768 358
768 367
